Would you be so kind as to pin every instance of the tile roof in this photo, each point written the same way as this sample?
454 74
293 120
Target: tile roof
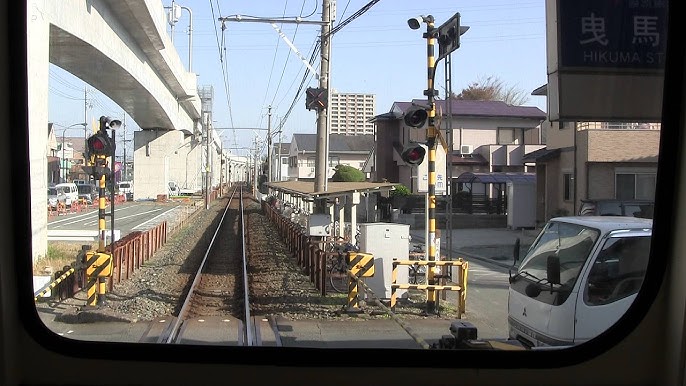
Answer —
339 143
463 107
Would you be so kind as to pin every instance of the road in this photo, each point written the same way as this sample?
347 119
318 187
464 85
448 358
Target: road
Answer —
128 217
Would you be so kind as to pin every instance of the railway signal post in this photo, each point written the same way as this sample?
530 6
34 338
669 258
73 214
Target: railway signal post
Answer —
448 36
100 147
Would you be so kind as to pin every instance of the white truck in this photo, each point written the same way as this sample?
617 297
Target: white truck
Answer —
577 279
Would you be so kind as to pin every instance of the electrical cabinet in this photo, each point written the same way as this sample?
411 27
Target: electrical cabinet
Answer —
319 224
386 241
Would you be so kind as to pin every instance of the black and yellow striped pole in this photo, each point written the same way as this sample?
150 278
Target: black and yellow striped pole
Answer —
360 265
431 136
99 262
448 36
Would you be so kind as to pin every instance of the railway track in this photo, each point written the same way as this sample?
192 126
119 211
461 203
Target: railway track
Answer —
216 306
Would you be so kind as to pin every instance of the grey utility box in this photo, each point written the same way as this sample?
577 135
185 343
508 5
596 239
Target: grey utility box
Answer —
386 241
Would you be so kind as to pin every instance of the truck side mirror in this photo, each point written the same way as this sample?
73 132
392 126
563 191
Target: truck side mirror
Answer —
553 269
515 253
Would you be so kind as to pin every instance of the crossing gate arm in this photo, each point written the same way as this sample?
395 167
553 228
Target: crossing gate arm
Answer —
52 284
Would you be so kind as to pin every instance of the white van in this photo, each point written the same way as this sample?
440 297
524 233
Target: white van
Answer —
126 188
70 190
577 279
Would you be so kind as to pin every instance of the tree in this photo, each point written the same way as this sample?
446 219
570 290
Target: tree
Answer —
492 89
345 173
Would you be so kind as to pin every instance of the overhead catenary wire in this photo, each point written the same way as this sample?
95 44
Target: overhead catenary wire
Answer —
225 75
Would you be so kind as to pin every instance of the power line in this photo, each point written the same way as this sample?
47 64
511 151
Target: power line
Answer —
225 76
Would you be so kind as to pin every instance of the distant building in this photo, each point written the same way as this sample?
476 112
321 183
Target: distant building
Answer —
280 161
487 137
351 150
593 160
351 112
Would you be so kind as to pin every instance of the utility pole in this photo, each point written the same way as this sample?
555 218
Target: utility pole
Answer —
320 171
280 165
269 145
207 161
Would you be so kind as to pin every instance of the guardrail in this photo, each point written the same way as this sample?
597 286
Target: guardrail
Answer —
461 287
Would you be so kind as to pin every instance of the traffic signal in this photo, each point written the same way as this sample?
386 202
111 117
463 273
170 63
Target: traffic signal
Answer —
416 117
315 98
100 144
449 36
414 154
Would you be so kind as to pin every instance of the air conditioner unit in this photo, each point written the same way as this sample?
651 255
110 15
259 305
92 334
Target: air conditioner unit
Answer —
466 149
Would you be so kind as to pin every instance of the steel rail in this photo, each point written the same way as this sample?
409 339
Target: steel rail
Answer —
186 303
249 325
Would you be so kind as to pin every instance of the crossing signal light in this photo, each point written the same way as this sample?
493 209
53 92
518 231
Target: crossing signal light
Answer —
449 36
100 144
413 155
316 98
416 117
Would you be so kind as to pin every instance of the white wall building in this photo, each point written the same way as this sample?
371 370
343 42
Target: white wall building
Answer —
350 113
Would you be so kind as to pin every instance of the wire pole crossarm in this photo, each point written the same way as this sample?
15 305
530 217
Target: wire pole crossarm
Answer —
250 19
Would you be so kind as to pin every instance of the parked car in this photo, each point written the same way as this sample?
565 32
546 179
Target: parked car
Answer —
70 190
632 208
126 188
88 192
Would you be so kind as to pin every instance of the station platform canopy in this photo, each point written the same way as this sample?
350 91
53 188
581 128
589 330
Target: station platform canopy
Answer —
305 189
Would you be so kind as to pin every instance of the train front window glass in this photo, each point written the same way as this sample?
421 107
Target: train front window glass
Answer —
190 118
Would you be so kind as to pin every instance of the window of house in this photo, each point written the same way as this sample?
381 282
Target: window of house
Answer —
310 162
510 136
638 186
567 186
334 161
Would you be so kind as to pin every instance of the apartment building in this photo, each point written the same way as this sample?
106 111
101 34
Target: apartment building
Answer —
351 112
593 160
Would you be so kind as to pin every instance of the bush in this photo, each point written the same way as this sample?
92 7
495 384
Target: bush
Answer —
400 191
345 173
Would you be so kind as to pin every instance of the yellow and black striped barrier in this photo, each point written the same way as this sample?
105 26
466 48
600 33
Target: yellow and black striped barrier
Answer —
461 286
53 284
361 265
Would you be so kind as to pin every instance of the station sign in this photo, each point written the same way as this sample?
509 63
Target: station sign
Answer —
611 34
606 59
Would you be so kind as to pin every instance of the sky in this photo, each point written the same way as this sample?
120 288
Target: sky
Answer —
250 67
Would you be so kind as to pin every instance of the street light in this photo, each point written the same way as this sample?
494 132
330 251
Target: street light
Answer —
62 166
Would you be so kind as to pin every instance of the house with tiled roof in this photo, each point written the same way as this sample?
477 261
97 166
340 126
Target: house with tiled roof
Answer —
351 150
478 136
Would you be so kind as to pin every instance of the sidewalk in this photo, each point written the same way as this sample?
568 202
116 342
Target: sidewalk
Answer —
491 245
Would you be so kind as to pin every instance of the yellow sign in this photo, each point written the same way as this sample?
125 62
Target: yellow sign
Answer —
98 264
361 264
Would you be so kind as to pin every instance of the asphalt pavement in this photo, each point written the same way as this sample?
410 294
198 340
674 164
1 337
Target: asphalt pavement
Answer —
489 245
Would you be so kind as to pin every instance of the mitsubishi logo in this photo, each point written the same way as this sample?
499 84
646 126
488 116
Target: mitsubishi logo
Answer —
524 312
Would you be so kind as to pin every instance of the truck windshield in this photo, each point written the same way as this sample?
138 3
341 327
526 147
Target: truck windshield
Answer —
572 243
